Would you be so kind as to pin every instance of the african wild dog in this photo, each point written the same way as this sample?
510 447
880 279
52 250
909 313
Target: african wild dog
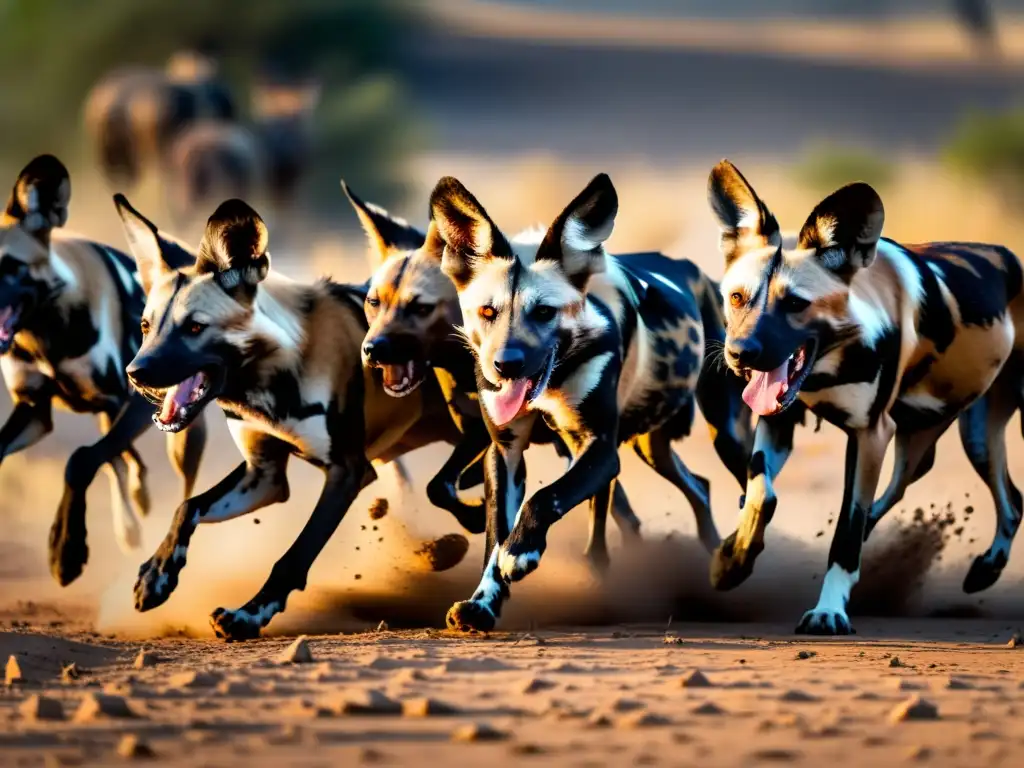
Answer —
879 339
133 114
281 358
210 161
69 322
413 309
606 351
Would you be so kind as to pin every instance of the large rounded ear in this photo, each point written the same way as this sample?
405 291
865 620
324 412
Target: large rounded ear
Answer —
745 220
433 243
39 200
234 249
468 232
385 233
155 255
844 228
576 238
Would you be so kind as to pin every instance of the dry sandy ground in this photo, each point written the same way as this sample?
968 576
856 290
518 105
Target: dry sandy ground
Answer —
633 696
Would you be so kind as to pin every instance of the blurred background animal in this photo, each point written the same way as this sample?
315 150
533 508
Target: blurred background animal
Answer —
134 114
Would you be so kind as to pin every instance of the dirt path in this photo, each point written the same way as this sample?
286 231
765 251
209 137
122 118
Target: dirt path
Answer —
613 696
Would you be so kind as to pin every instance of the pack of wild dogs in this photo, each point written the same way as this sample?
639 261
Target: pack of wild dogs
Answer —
492 343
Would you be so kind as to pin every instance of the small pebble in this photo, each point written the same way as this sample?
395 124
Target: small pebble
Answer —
13 675
914 708
696 679
478 732
297 653
132 747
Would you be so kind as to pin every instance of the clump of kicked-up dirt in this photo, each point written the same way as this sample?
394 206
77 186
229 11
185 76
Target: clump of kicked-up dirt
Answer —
896 565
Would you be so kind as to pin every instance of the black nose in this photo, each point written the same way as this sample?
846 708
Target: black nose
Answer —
377 350
138 371
509 363
744 352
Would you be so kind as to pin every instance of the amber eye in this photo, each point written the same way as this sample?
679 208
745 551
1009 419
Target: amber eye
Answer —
194 328
736 299
144 325
488 312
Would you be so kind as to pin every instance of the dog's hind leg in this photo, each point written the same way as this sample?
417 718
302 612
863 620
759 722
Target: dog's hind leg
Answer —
344 482
915 455
442 489
185 450
624 516
137 476
597 544
127 523
126 518
257 482
983 433
655 448
69 550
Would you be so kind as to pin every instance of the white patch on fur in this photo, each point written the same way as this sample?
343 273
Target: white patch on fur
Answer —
310 435
578 236
910 278
260 618
274 319
871 319
923 401
835 592
488 591
519 565
129 280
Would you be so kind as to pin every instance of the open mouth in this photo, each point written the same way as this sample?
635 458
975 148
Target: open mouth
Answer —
404 379
513 395
8 326
771 392
183 402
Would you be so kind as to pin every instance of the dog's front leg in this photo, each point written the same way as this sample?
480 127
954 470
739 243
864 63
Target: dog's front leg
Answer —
345 480
69 550
504 491
865 451
593 472
733 561
259 481
29 422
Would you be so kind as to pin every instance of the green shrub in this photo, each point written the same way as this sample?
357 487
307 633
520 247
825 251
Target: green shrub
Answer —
54 51
825 168
990 148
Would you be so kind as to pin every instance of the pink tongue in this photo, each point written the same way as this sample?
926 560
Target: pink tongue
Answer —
506 402
763 391
177 396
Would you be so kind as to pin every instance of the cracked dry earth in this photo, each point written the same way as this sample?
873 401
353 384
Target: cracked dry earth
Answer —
715 695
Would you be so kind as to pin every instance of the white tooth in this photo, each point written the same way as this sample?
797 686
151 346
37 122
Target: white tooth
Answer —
405 381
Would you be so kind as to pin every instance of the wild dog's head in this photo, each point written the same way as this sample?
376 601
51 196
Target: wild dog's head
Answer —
521 299
200 323
411 305
38 203
783 305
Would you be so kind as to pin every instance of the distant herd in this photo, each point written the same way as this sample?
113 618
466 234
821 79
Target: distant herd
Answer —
489 342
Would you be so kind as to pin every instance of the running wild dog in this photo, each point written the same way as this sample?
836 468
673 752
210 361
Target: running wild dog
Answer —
281 358
69 323
413 309
881 340
604 350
